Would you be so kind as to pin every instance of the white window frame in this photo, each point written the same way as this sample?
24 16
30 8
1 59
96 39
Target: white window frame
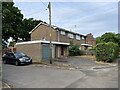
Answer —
78 37
82 38
62 32
70 35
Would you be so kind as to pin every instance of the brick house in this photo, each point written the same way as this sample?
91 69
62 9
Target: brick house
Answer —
89 42
58 34
90 39
39 49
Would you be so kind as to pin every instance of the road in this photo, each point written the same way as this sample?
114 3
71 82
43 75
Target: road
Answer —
35 76
31 76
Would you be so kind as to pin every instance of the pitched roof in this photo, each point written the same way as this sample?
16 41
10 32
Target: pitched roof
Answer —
54 27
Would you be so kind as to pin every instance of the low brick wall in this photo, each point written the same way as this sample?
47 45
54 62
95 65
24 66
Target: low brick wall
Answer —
87 52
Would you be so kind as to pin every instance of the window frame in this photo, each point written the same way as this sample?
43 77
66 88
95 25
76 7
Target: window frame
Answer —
70 35
77 37
62 32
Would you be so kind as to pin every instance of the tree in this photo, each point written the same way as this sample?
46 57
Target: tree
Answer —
11 21
118 39
98 40
109 37
28 25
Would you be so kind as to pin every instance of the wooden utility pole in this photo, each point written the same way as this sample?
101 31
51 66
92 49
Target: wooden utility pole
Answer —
49 7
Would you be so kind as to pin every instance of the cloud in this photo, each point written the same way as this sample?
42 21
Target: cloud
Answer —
100 23
67 0
103 19
82 17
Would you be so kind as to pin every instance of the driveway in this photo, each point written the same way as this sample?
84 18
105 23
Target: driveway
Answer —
86 74
84 62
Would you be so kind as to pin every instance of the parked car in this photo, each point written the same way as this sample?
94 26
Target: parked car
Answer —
16 58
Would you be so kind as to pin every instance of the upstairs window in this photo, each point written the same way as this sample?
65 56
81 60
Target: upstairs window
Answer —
62 32
82 37
70 35
77 37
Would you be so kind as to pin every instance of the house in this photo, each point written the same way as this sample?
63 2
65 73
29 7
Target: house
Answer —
42 34
89 42
90 39
58 34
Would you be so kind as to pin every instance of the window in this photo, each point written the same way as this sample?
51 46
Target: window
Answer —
62 32
82 37
70 35
77 37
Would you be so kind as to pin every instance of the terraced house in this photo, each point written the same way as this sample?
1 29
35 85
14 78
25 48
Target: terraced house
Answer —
39 46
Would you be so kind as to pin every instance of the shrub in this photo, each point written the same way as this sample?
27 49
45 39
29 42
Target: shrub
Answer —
106 52
74 50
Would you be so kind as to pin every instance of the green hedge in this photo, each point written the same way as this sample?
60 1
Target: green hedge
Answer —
106 52
74 50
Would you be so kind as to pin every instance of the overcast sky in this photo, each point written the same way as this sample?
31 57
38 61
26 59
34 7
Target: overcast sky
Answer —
82 17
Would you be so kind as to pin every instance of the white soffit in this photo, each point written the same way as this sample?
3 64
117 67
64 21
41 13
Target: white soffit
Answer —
86 44
40 41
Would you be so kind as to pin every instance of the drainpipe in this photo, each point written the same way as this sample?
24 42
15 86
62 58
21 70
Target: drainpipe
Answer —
85 39
58 41
58 36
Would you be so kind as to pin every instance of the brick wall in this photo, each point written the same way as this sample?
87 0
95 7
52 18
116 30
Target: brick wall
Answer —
33 50
90 39
65 38
43 32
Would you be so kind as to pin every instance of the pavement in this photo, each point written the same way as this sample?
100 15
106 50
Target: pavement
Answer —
71 72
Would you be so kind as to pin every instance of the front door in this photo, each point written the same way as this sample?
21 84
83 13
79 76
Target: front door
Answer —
62 50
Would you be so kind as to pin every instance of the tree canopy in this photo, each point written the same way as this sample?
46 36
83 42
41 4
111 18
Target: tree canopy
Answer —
28 25
109 37
11 21
13 24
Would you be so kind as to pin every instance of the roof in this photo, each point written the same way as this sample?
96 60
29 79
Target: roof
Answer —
54 27
41 41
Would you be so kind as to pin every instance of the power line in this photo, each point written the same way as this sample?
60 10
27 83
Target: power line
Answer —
44 4
34 13
40 10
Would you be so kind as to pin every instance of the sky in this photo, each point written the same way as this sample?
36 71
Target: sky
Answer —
81 17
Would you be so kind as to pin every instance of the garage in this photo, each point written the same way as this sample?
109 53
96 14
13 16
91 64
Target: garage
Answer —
40 50
46 52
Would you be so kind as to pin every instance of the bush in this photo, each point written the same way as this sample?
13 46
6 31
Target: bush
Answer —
74 50
106 52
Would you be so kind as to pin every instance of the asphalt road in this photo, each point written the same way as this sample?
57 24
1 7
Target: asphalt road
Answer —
32 76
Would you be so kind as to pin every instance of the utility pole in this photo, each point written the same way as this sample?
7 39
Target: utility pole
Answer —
49 7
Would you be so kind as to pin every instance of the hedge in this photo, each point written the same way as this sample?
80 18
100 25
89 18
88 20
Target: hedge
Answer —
74 50
106 52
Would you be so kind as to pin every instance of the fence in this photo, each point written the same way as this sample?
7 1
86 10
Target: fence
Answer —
10 49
